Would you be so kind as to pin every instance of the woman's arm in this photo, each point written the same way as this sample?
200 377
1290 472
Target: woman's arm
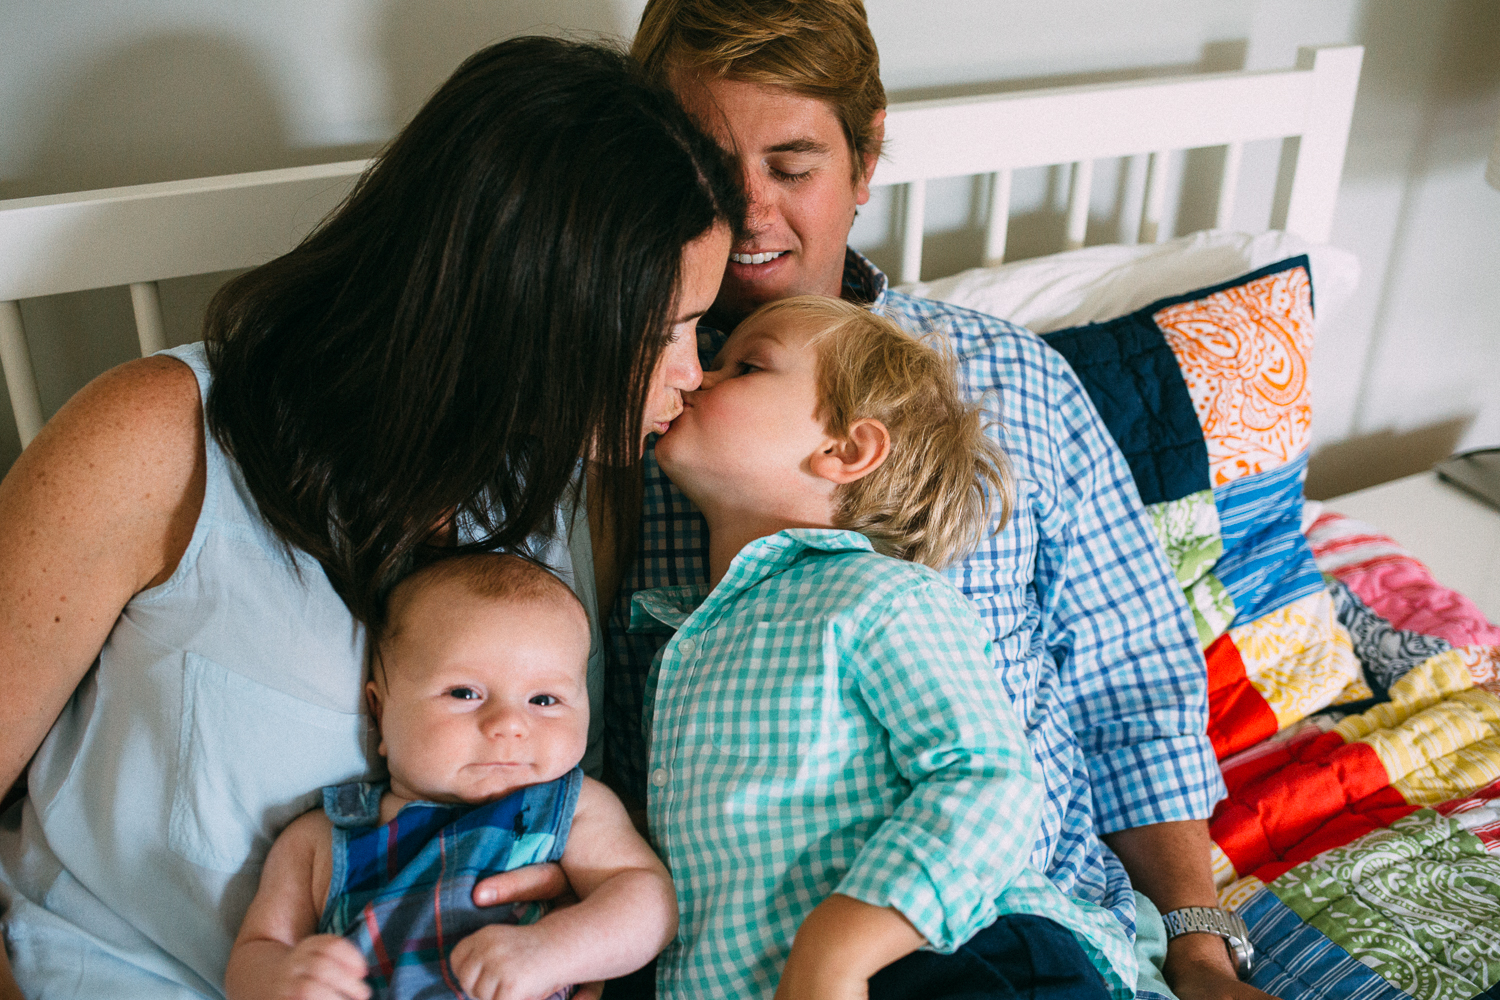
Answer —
100 506
626 914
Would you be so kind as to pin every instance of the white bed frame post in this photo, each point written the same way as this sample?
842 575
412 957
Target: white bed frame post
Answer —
1324 138
139 236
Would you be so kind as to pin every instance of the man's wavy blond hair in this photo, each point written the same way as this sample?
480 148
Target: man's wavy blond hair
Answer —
817 48
946 483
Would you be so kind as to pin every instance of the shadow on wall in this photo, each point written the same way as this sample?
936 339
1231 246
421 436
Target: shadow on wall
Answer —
1426 82
165 108
423 41
1372 459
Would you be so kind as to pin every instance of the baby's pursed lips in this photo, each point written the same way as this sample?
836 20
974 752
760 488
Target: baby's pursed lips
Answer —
755 258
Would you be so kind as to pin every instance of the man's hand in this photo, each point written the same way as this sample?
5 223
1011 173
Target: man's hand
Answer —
534 883
1169 863
322 967
1198 968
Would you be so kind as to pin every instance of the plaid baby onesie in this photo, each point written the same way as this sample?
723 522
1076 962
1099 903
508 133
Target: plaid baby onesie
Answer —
403 892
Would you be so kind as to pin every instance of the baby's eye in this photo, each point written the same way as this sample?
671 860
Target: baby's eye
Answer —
464 694
745 367
544 700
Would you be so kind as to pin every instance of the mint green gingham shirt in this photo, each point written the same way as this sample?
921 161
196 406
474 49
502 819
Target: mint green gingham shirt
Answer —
826 720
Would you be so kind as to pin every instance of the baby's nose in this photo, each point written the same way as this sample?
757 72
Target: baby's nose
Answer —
505 721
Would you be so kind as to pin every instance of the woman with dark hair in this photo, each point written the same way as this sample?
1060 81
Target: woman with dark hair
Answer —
197 541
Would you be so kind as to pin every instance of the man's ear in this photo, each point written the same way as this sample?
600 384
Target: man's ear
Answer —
877 127
855 455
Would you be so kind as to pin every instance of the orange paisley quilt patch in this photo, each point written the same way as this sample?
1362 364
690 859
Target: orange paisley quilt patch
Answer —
1244 353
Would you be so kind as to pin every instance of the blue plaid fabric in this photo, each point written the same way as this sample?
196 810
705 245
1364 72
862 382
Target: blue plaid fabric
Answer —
1092 639
403 892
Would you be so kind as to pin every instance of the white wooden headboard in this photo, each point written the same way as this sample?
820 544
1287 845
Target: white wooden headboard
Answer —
140 235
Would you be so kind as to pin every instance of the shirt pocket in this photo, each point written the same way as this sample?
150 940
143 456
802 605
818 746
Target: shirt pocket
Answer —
766 688
250 760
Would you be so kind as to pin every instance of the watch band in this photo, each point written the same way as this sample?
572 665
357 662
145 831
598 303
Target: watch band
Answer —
1211 920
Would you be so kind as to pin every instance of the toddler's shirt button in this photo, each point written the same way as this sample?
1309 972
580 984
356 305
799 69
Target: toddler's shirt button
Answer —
687 646
659 777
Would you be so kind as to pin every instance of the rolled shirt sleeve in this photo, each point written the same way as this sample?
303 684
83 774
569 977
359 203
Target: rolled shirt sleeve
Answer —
925 673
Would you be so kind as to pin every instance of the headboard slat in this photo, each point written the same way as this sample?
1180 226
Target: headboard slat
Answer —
911 248
20 379
999 220
1078 204
1229 182
145 299
1156 197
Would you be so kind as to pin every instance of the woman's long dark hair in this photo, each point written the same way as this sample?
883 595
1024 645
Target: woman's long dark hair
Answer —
486 307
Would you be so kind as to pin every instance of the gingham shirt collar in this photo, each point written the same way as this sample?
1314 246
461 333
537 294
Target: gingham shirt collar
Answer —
763 557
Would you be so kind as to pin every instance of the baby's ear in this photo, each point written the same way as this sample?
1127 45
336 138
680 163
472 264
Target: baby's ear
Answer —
861 451
372 699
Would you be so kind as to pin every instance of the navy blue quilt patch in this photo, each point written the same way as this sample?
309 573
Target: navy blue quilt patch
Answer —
1133 378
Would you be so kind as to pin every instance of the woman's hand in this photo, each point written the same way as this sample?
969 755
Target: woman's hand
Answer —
534 883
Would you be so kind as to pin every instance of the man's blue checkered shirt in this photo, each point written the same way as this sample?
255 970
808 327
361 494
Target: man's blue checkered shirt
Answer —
1093 640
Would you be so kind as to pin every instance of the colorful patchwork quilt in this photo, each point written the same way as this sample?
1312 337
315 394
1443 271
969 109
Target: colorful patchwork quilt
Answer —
1354 702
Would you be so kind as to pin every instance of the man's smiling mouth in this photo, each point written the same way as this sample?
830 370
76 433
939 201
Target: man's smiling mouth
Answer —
756 258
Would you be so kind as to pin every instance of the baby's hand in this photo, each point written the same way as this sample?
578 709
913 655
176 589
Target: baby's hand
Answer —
506 962
323 967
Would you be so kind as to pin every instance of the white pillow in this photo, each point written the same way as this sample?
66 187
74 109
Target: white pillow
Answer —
1102 282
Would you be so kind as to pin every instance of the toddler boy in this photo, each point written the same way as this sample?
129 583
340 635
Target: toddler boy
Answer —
836 776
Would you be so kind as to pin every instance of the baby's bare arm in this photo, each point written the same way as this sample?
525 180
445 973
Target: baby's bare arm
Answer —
627 912
277 954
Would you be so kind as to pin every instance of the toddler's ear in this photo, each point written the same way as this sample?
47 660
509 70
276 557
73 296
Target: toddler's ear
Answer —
855 455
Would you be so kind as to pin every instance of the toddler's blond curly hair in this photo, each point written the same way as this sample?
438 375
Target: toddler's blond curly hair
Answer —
945 483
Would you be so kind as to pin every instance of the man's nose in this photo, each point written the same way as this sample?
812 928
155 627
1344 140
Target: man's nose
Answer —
760 194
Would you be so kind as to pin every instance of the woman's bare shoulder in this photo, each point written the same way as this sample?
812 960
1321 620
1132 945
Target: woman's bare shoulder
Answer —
149 408
126 451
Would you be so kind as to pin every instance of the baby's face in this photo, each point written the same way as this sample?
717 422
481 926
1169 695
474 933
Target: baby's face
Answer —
480 697
749 431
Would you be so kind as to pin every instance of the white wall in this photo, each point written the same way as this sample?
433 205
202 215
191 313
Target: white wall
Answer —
96 94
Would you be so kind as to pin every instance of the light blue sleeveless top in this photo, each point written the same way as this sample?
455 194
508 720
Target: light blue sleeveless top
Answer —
222 703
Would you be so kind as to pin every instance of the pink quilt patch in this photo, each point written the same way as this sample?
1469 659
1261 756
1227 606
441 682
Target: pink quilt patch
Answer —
1395 585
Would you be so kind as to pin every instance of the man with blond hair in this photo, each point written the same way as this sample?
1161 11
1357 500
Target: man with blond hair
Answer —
1092 638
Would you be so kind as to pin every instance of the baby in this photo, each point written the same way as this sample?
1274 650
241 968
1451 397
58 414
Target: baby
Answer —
480 696
837 778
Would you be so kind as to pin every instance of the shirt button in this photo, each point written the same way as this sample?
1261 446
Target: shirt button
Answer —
659 777
687 646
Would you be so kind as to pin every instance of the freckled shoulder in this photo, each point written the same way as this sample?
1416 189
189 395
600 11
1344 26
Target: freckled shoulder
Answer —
100 506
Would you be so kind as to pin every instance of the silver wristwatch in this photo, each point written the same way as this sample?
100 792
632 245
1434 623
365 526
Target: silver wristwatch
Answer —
1211 920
